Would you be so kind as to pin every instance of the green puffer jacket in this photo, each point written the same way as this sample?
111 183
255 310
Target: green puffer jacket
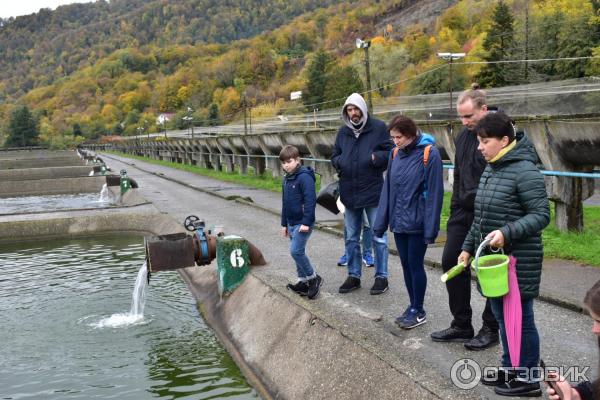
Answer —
512 197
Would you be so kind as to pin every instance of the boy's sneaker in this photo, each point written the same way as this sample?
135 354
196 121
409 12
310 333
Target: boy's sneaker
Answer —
413 319
343 261
313 286
368 259
300 288
380 286
350 284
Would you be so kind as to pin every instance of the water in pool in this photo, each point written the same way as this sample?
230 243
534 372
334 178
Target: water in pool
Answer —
58 341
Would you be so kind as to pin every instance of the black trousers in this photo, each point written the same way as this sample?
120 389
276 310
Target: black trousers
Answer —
459 287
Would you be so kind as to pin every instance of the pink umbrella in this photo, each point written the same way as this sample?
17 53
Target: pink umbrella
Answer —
513 314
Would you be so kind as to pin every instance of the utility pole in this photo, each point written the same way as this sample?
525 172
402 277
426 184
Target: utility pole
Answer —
450 57
361 44
245 110
526 40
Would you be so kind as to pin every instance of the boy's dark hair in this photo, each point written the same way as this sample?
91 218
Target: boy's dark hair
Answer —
288 152
496 125
404 125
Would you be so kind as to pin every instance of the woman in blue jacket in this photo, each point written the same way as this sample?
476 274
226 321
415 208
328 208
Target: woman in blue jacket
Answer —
410 204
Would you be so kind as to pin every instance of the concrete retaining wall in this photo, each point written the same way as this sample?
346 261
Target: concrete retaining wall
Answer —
290 352
41 162
44 173
141 219
89 184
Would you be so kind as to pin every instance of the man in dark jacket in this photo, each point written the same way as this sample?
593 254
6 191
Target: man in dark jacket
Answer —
468 167
360 156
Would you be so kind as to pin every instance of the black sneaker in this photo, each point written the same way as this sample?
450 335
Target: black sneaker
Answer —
517 388
313 286
453 334
380 286
350 284
498 377
484 339
300 288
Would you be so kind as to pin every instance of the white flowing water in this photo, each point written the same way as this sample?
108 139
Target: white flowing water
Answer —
138 301
105 195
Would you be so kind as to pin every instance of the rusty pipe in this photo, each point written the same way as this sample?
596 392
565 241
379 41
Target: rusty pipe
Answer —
174 251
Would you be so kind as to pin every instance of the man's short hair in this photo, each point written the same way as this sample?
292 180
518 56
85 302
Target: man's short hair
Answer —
475 94
288 152
495 125
404 125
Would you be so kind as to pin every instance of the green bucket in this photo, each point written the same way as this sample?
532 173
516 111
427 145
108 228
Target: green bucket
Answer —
492 272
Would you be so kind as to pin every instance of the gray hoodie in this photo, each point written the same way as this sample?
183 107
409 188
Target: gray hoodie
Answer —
356 100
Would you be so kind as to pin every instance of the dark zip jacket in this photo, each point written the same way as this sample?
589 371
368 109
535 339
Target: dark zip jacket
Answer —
299 197
512 198
412 196
361 177
469 164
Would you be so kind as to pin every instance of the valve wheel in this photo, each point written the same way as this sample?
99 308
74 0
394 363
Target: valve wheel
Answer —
189 222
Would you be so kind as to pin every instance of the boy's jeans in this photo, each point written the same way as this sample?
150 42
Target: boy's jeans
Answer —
353 226
297 245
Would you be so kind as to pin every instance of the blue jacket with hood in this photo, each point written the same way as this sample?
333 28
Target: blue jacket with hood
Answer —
412 196
361 177
299 197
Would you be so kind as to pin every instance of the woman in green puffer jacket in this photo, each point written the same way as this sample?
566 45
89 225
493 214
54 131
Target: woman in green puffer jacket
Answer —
511 209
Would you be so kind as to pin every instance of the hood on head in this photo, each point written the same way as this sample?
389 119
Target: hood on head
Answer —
356 100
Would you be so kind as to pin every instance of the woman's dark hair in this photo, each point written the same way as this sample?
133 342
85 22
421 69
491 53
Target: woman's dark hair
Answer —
495 125
288 152
404 125
591 302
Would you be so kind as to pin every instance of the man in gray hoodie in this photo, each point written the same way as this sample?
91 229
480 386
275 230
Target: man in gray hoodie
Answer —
360 156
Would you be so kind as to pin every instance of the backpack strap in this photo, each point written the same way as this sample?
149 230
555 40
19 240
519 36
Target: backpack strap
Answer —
426 152
426 155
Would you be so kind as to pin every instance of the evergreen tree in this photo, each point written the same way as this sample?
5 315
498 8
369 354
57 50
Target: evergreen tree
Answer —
341 83
499 44
22 128
77 130
213 115
317 79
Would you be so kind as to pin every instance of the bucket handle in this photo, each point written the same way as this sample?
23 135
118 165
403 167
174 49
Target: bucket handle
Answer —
482 246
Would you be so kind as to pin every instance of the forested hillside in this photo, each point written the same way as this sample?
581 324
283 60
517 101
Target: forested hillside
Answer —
39 48
128 70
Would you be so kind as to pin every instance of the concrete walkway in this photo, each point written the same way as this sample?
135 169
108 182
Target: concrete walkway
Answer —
368 320
563 282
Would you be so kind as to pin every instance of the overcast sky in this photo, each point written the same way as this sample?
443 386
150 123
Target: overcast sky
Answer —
14 8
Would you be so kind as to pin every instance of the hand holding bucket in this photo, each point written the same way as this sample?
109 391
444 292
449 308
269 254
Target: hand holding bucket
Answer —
491 271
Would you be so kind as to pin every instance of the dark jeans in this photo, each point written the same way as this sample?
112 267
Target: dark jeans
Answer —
459 287
530 339
412 252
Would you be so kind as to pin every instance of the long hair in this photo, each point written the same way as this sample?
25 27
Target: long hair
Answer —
591 303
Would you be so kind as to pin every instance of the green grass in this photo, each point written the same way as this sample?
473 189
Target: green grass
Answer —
579 247
264 181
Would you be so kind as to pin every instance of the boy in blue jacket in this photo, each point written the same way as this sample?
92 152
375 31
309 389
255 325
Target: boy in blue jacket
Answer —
299 201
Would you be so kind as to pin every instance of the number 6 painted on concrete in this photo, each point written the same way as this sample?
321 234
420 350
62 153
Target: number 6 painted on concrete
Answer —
236 258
